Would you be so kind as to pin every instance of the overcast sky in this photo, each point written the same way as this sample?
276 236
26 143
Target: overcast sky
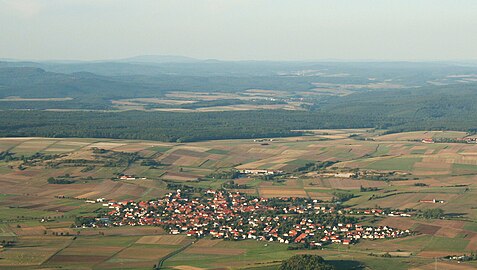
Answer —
240 29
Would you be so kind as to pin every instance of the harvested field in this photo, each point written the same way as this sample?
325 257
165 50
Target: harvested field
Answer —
170 159
180 177
472 244
419 135
320 196
188 161
214 251
398 222
162 240
410 200
139 253
124 231
206 243
434 254
76 259
427 229
448 232
106 145
29 231
186 267
190 152
267 192
346 183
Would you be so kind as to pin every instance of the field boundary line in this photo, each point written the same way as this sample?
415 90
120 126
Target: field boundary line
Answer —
115 253
57 252
172 254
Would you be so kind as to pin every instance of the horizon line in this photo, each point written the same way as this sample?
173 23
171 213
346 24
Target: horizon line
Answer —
130 59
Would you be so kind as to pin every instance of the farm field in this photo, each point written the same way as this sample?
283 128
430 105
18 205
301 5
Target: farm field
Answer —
399 170
183 101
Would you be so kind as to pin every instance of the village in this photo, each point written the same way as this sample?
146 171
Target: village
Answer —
233 216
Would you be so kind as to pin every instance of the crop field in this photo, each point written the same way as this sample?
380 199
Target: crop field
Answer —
162 240
181 101
399 170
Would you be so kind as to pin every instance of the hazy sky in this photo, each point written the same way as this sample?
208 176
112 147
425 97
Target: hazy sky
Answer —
239 29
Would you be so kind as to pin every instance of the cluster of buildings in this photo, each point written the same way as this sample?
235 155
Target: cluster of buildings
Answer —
467 140
261 172
432 201
378 212
427 140
130 177
231 215
264 140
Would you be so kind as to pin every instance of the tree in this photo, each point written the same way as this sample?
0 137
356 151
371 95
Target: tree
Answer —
306 262
434 213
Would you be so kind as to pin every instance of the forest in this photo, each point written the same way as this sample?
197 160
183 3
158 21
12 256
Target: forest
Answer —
186 127
78 103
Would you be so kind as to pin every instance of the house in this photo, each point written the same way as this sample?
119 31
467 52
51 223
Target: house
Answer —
127 177
431 201
345 175
301 237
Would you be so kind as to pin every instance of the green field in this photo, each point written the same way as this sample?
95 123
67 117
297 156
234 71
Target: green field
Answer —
400 164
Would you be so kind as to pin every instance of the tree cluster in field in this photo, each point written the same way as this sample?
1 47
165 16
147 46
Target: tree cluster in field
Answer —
233 185
80 221
149 162
381 176
120 159
6 243
7 156
342 196
306 262
185 189
59 181
32 160
388 193
368 189
225 174
88 168
432 213
105 158
315 166
421 184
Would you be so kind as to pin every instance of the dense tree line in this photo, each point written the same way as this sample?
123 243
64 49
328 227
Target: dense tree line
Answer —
165 126
184 127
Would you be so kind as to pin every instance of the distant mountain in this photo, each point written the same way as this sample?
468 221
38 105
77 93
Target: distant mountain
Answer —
159 59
